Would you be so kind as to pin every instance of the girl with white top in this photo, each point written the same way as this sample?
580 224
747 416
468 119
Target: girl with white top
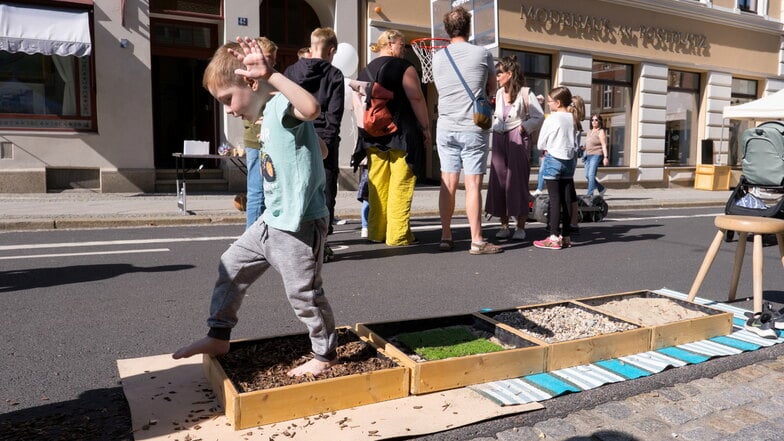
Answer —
560 137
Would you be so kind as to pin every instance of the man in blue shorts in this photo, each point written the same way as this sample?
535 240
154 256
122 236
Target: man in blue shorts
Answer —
462 145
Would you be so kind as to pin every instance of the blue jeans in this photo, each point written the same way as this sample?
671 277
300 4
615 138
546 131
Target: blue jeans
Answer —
553 168
540 180
365 213
591 165
255 188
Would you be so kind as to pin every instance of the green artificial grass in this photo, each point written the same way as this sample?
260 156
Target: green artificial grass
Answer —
441 343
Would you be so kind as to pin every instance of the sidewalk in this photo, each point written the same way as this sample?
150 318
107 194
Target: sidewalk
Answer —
84 209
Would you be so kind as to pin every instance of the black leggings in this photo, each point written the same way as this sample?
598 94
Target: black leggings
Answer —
562 194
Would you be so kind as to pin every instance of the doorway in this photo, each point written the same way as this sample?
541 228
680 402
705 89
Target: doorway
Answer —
288 23
182 108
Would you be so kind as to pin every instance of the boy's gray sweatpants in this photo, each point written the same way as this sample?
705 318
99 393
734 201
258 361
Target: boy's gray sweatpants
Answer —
298 257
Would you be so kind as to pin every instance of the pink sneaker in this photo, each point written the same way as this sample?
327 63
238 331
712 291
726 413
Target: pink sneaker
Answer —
551 243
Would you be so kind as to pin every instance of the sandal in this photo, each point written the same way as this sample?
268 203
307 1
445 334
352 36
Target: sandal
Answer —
484 248
446 245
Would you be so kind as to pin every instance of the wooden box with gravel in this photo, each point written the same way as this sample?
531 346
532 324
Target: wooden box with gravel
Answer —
513 356
252 384
672 322
574 334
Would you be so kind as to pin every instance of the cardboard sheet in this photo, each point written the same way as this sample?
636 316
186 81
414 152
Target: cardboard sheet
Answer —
172 400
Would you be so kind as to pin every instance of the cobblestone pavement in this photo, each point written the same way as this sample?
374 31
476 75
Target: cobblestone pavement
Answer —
740 404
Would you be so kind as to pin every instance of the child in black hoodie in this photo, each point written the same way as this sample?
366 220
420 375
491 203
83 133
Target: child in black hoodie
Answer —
318 76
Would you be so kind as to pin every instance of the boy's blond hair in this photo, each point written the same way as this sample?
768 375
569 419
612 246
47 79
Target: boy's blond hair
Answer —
220 70
268 47
326 37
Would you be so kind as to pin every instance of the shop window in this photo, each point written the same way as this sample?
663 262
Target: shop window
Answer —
683 93
611 94
187 7
46 76
747 5
538 72
743 91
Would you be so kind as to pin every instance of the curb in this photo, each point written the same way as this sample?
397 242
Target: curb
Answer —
113 222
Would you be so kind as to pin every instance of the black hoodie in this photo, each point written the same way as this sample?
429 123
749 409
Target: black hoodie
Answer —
325 82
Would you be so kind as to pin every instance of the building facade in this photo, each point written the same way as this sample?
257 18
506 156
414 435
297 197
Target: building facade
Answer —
108 113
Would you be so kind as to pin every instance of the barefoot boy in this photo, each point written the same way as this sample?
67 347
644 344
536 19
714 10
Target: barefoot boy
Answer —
291 234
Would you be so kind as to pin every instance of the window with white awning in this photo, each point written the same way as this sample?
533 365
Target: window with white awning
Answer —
43 30
46 68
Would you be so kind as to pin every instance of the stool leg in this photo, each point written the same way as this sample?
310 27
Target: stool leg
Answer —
780 240
706 264
739 253
757 273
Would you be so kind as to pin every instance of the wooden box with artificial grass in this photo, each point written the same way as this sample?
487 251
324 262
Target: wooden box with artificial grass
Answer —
245 379
574 334
672 322
455 351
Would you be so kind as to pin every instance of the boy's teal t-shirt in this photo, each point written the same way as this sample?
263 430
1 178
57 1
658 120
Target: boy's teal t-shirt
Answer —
291 167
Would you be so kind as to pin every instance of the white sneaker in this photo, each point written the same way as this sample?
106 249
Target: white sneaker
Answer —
519 234
364 233
503 233
338 221
536 193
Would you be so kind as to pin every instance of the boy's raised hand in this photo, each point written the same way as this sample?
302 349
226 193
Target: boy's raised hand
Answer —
257 66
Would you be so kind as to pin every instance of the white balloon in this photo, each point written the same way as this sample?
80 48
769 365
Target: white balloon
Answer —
346 59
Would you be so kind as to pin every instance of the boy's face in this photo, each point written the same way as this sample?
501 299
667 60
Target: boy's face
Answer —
241 101
318 49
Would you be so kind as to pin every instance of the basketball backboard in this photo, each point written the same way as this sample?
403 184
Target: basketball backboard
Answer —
484 25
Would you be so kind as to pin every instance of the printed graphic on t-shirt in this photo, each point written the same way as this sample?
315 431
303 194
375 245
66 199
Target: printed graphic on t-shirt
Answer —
267 168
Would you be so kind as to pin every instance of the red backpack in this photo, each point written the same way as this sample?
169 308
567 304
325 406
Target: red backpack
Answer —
377 118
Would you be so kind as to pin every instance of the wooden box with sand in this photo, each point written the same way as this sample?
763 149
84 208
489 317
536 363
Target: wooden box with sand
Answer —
574 334
672 322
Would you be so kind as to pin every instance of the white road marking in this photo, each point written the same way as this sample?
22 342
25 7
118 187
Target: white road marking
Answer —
113 242
680 216
94 253
431 227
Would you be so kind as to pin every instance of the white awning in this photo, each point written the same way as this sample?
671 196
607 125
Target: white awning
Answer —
41 30
767 107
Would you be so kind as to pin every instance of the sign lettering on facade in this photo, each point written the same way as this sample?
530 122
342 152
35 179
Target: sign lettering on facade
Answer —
554 20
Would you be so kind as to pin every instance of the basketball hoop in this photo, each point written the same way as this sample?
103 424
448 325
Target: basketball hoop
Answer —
425 48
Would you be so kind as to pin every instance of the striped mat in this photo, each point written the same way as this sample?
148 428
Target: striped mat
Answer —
539 387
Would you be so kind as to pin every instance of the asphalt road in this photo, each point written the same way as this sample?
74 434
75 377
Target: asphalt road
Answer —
76 301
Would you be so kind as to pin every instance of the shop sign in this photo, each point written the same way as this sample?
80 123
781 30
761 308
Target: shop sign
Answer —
592 27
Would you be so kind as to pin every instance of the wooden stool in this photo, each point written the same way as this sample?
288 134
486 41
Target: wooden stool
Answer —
744 225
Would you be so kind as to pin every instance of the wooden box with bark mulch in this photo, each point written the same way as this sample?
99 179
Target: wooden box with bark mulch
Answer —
455 351
252 384
672 322
574 334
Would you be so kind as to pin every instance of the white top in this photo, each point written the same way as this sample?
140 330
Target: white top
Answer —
558 136
516 116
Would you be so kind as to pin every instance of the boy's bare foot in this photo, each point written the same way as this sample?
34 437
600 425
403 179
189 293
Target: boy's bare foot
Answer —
207 345
312 366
